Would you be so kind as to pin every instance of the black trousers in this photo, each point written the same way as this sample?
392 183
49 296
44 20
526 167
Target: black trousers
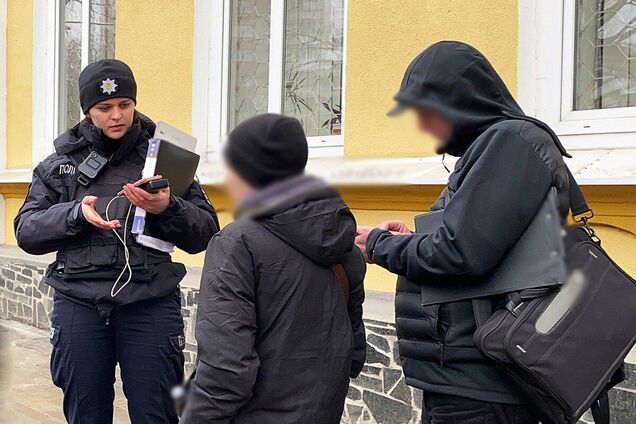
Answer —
446 409
145 339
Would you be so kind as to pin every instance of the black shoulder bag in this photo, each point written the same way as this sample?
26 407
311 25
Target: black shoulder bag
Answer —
563 348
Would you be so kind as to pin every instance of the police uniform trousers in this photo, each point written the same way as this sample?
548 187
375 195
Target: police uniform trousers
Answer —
146 340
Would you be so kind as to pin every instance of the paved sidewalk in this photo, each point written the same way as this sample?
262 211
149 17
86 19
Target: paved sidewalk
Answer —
27 395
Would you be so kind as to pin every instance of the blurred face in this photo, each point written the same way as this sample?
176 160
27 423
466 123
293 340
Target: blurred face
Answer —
236 186
435 124
113 116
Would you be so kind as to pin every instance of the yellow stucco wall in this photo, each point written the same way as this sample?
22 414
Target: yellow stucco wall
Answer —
11 207
156 41
19 81
382 38
615 221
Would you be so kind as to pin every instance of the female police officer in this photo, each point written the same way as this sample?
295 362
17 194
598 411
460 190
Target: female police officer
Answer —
95 323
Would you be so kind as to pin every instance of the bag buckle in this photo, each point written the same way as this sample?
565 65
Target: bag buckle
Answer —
512 303
585 216
590 231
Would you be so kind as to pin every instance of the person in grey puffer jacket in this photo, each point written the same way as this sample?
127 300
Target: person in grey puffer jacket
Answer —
277 338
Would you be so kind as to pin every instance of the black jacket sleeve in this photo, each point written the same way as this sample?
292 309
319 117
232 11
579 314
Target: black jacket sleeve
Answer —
356 268
189 222
44 224
497 199
225 332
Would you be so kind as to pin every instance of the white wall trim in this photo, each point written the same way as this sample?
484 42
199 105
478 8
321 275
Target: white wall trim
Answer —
206 79
200 82
540 57
45 79
276 55
545 61
3 212
345 57
3 88
3 105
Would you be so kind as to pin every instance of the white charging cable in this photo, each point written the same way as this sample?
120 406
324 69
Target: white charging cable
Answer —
113 291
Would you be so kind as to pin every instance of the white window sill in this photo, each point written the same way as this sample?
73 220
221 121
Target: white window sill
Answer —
604 166
590 167
340 171
16 176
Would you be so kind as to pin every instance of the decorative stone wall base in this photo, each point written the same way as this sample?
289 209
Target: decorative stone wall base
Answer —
378 395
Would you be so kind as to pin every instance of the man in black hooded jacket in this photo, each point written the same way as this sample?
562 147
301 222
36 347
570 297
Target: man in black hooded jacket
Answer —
278 332
507 164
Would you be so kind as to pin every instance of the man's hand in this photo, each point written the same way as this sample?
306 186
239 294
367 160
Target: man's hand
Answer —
361 240
93 218
155 203
395 227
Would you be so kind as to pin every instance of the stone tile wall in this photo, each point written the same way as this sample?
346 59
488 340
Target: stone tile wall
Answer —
378 395
23 295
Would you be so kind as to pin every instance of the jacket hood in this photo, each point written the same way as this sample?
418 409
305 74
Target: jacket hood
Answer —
458 81
86 134
308 215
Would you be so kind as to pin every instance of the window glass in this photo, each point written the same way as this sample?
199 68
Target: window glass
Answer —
71 63
313 64
102 30
101 45
605 65
311 68
249 60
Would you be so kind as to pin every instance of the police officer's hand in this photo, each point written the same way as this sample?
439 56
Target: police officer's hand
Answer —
155 203
92 217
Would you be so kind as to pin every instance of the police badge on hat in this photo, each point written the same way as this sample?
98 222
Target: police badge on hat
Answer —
109 86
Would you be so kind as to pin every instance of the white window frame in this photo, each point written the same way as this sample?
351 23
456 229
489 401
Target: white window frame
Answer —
84 58
45 89
47 84
211 77
546 80
3 95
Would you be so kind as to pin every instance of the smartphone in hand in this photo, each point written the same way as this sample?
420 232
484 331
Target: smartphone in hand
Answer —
158 183
154 186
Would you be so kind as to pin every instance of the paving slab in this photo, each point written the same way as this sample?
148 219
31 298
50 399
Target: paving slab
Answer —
27 395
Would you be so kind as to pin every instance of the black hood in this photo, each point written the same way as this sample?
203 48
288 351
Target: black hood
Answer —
86 134
459 82
308 215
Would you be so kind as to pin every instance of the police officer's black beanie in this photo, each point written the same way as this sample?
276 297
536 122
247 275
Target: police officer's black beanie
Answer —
105 79
267 148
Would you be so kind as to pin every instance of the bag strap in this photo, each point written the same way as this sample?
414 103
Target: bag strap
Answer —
578 204
341 275
482 309
581 211
343 281
600 408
